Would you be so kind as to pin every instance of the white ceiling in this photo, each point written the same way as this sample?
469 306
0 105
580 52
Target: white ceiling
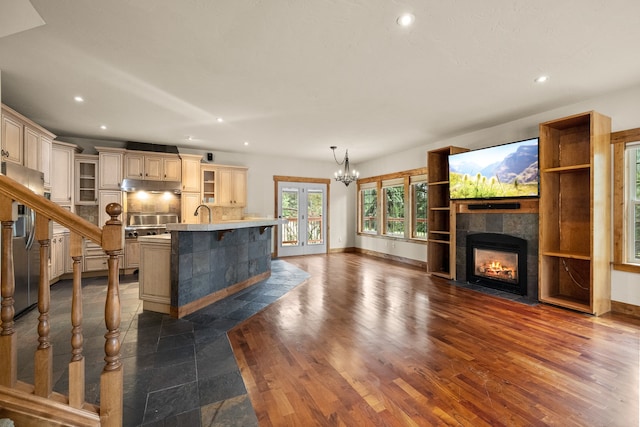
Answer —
293 77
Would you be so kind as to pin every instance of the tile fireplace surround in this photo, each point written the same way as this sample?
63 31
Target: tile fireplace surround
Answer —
523 225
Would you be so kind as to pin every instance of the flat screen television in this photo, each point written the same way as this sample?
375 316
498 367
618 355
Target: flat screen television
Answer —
504 171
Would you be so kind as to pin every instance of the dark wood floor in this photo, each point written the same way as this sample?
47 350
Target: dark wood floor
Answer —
369 342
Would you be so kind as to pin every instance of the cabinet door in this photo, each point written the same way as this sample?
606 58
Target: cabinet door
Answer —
104 198
153 168
86 182
172 169
31 148
224 187
189 202
62 179
12 134
239 188
110 165
45 159
191 174
209 185
134 166
131 253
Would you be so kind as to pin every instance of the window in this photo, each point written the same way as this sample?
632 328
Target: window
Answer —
626 200
633 204
394 209
419 208
394 206
369 210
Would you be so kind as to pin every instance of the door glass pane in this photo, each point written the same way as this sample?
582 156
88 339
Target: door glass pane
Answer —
290 211
314 217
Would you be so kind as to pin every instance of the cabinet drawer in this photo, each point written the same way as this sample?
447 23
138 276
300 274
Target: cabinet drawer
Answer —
91 249
100 263
95 263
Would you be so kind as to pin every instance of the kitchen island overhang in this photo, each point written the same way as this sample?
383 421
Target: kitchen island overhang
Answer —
207 262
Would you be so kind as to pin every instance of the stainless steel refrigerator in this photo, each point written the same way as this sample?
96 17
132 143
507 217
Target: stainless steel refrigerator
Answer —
26 251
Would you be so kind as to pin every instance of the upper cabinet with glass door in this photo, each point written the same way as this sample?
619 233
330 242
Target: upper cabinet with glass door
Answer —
86 174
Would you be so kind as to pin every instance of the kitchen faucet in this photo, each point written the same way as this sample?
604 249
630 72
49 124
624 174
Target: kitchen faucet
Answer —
203 206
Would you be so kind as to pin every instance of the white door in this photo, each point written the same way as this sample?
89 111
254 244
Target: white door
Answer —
304 206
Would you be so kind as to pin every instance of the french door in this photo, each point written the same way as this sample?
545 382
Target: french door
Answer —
303 205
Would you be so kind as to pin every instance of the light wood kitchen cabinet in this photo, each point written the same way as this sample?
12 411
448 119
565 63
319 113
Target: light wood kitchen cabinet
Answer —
37 151
152 167
62 157
86 179
12 138
231 185
46 144
110 166
172 167
189 202
31 148
191 173
134 166
209 174
27 143
155 273
104 198
58 253
131 253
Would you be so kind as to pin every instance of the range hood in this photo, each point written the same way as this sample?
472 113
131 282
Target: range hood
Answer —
130 185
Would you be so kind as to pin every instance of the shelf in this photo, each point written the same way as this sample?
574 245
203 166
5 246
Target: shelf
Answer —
571 168
444 275
438 183
567 302
444 242
439 231
570 255
446 208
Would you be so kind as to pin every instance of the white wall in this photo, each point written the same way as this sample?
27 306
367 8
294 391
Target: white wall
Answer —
624 109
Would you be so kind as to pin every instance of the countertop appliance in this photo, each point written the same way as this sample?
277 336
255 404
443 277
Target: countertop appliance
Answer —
147 224
26 252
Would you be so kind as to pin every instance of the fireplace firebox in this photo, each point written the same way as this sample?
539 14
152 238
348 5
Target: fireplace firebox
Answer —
497 261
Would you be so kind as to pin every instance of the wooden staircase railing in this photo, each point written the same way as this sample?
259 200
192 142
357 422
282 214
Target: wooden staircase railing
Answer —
38 404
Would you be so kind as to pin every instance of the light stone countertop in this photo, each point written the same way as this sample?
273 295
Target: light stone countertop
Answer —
227 225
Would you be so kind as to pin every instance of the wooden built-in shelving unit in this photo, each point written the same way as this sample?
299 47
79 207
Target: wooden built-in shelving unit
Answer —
441 237
575 213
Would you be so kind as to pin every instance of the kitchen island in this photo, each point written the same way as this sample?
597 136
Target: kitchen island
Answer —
198 264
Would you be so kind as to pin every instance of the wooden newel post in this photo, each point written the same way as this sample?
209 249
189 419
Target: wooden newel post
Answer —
111 380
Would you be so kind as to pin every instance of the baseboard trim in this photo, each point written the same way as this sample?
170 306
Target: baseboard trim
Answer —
342 250
625 308
412 262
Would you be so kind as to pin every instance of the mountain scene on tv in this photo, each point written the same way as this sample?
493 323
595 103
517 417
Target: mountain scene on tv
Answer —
497 172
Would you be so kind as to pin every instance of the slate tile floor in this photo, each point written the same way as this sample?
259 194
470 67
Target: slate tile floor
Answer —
177 372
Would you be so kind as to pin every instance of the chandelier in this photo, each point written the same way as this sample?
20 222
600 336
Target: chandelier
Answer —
348 176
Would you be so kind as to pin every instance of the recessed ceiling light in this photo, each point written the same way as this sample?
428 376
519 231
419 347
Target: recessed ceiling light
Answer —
246 143
541 79
103 127
406 19
189 138
220 120
78 99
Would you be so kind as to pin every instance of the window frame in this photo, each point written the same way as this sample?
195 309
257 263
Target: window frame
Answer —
415 181
386 186
404 178
621 190
632 201
361 209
